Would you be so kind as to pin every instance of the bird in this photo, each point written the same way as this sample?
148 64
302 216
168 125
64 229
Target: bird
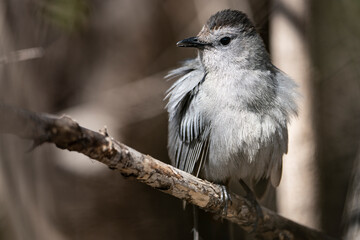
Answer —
229 108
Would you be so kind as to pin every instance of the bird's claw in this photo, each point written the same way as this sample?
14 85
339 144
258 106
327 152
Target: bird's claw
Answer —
226 199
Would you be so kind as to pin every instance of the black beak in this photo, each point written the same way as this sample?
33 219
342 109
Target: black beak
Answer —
192 42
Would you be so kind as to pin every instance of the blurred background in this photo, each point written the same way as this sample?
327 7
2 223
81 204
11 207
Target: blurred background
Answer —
103 63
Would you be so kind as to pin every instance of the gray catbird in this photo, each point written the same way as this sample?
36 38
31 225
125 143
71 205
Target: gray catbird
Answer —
229 109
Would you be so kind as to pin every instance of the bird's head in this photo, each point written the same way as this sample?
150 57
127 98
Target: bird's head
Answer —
228 39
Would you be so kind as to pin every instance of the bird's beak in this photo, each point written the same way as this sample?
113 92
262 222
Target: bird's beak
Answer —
192 42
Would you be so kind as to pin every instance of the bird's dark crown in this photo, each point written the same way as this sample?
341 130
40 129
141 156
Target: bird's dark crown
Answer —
230 18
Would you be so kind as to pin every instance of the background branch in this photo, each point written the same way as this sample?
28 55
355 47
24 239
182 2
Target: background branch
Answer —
67 134
352 213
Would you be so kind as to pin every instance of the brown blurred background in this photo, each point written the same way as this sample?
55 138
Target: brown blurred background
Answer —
103 63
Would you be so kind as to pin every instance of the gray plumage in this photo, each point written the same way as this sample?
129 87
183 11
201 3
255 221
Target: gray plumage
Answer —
229 108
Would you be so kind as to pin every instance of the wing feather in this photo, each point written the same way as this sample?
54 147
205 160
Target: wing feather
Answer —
188 130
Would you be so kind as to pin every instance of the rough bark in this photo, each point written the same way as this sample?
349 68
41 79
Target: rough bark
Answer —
65 133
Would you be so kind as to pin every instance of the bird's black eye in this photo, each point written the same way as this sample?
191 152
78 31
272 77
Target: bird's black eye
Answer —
225 40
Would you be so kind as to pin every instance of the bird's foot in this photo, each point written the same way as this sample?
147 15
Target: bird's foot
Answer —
226 199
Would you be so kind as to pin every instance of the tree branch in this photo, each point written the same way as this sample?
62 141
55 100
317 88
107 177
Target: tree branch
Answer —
67 134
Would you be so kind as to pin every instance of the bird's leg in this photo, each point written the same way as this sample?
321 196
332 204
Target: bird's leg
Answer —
251 197
225 197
